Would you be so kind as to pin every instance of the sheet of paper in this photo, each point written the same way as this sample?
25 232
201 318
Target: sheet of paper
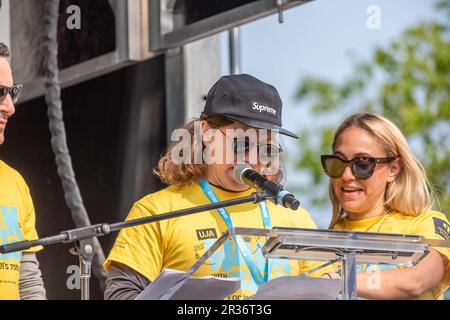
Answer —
206 288
298 288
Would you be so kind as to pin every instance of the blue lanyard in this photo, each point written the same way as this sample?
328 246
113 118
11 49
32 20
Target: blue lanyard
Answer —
254 270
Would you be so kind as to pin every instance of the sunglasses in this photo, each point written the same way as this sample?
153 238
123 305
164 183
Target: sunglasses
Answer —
362 167
13 91
242 146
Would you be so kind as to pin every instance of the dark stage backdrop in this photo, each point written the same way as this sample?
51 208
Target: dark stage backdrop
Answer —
116 132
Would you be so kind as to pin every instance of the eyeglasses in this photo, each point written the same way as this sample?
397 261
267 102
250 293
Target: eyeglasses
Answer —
362 167
242 146
13 91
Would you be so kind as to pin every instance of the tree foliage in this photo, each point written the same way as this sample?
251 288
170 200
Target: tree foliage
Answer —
408 81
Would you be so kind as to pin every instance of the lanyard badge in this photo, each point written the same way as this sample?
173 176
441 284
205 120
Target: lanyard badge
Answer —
243 249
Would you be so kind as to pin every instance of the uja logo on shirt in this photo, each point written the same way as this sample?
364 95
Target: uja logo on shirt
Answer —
203 234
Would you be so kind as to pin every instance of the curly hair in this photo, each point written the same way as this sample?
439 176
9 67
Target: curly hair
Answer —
4 50
185 173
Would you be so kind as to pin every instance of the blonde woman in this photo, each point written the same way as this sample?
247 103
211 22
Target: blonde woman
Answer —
234 104
378 185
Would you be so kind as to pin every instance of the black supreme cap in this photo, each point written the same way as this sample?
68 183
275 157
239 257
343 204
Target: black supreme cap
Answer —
245 99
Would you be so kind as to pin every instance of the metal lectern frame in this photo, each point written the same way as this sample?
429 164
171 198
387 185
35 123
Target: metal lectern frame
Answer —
330 246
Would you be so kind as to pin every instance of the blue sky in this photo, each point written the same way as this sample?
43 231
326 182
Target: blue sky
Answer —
322 38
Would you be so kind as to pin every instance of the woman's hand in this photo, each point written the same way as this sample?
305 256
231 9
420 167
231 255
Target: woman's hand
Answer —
407 283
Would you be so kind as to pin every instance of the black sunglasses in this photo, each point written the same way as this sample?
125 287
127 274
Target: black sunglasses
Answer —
242 146
362 167
13 91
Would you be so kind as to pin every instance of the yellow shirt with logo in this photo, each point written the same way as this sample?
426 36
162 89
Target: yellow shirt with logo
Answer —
178 243
431 225
17 223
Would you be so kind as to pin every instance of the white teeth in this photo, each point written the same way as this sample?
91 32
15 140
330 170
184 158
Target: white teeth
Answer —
350 190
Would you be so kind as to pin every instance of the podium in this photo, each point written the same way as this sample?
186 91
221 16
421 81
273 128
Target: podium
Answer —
330 246
346 248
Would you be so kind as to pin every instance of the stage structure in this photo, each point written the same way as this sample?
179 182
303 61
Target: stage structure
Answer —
132 72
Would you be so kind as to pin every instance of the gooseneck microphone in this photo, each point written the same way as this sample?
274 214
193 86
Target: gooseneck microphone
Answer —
244 174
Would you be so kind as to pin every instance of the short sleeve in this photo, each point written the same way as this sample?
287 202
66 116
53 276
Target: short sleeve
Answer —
435 225
141 247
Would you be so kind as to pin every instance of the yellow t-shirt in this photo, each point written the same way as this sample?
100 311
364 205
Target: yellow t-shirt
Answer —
431 225
17 223
179 242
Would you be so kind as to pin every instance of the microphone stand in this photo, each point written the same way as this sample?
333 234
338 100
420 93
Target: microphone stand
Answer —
83 237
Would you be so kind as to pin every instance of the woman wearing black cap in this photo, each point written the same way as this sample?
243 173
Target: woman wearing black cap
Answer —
242 117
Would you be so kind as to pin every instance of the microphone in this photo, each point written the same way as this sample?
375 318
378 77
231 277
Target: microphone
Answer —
244 174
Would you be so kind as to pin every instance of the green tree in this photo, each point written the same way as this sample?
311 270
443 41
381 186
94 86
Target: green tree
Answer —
408 81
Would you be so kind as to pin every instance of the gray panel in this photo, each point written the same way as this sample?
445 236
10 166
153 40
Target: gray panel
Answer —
161 38
4 22
27 29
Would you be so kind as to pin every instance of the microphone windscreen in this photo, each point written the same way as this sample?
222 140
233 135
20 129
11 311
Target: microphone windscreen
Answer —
239 170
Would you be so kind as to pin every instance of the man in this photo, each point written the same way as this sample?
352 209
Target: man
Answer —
20 277
242 116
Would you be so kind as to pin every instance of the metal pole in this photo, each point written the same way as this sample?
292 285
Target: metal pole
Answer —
84 237
280 11
85 251
85 275
349 276
235 50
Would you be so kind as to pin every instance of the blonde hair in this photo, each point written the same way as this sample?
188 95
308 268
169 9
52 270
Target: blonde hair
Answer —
410 193
180 174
